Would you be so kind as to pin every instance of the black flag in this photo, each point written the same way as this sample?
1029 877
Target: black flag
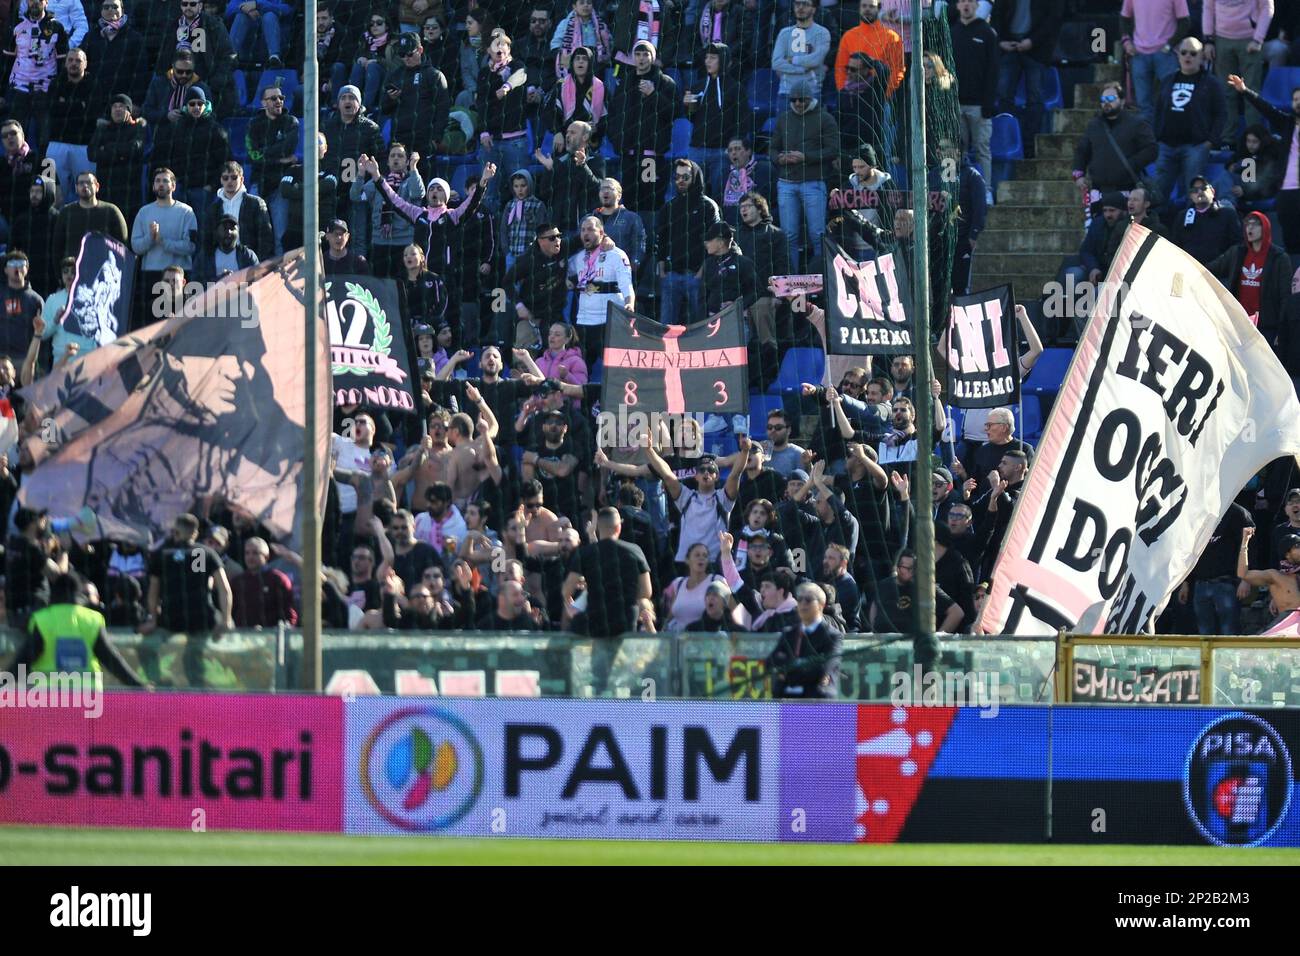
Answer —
368 343
99 304
868 311
676 368
983 360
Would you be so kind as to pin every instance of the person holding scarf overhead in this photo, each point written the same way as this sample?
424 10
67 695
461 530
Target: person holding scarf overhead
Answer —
657 21
435 223
579 96
581 28
502 106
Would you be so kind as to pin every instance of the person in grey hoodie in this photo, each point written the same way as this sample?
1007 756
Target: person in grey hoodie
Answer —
389 232
805 144
801 50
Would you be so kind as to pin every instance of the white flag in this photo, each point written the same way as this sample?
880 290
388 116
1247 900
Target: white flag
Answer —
1172 403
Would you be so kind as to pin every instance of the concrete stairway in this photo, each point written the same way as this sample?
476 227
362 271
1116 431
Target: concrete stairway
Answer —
1038 219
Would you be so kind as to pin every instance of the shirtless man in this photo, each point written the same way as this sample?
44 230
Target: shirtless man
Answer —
429 462
469 457
543 524
1283 588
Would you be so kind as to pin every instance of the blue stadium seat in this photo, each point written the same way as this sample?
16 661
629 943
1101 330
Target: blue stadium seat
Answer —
1052 96
1006 143
607 150
681 137
236 127
798 365
386 131
762 89
721 443
285 79
1048 372
1030 426
461 176
759 407
1279 83
241 85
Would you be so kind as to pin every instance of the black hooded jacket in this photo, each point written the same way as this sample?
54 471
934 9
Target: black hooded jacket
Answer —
729 277
767 247
721 112
32 232
420 111
638 122
193 149
683 224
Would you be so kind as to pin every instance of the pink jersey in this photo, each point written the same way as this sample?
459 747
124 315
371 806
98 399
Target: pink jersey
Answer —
1154 22
37 47
1237 19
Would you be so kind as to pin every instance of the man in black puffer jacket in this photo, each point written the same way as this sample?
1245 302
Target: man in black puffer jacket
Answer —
1114 161
416 96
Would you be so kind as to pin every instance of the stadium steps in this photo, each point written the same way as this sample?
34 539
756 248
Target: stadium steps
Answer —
999 241
1038 220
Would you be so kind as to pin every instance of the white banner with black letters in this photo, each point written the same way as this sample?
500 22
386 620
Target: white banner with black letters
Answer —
867 304
1172 403
983 364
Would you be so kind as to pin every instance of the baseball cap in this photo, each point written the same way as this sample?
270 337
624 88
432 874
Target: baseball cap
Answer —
719 230
1290 541
798 473
1293 493
944 473
228 218
1199 179
337 225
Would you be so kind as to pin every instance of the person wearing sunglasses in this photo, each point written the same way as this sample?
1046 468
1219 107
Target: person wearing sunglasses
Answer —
1189 115
1114 149
206 39
1207 229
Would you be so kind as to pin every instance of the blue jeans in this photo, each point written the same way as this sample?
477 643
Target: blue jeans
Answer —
711 162
1178 164
198 198
1216 606
244 29
278 206
510 155
70 161
681 299
802 204
370 81
1149 70
1011 65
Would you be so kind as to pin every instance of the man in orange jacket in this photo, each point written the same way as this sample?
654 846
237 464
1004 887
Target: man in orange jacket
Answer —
875 40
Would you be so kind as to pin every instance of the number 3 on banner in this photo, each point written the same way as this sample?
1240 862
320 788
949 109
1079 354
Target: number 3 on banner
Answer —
722 393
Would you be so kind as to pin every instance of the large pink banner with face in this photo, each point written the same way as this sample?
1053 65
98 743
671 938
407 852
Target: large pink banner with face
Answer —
176 761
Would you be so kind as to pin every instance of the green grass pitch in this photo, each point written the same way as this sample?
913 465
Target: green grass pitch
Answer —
89 847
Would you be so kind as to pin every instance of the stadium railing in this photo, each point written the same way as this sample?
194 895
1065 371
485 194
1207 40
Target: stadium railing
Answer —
1219 671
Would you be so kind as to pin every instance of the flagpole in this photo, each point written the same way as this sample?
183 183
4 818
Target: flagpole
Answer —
311 518
922 374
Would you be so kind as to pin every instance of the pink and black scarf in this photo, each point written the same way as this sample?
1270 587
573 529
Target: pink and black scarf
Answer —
573 40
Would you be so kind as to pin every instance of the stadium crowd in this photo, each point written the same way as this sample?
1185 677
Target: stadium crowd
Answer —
518 166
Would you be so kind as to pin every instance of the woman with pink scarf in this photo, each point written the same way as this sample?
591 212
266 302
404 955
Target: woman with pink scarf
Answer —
579 96
376 55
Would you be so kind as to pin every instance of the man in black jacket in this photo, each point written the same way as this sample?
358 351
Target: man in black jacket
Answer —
272 140
536 281
292 189
1287 126
77 100
975 55
1261 290
679 251
1027 33
350 134
248 210
767 247
806 661
571 185
116 48
229 255
1206 230
993 509
641 129
1116 146
416 97
1189 113
728 275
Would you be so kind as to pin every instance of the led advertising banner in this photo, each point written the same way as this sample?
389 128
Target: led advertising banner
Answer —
175 761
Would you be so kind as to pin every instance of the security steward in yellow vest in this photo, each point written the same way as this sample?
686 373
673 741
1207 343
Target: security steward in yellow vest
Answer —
68 637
